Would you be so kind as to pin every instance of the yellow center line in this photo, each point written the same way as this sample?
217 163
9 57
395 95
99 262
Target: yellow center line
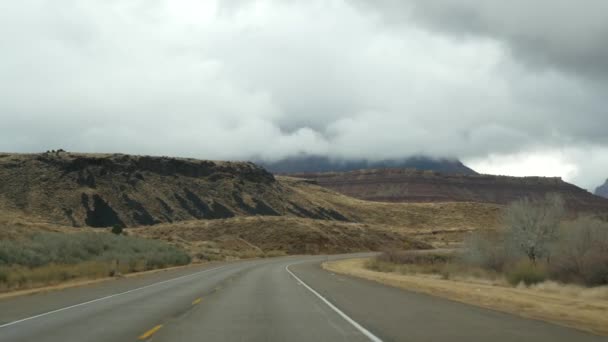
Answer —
197 300
150 332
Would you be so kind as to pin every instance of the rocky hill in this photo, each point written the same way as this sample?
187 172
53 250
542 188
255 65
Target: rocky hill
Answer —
216 209
399 185
101 190
315 164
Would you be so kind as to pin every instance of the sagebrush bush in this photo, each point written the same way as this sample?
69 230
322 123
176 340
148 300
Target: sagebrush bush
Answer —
486 250
47 258
573 252
414 257
526 272
534 246
375 264
411 262
46 248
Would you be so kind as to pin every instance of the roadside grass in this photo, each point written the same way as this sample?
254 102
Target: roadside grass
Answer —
538 266
51 258
571 305
443 264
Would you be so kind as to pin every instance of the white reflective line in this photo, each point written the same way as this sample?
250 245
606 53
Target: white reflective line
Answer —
358 326
106 297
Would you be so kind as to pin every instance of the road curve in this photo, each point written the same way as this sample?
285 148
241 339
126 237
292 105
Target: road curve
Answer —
282 299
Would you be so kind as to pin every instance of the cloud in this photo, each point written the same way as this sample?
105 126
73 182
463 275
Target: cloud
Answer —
561 34
582 165
245 79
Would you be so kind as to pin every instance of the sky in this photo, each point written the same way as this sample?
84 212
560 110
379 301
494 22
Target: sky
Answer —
509 87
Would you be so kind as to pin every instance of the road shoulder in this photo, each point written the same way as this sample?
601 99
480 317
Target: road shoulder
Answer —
580 313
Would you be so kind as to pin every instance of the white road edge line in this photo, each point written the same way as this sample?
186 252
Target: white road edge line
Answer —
106 297
358 326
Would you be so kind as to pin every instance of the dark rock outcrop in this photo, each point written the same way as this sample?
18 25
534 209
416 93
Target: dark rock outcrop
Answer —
136 165
103 190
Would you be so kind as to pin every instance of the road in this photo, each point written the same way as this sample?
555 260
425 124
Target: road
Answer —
282 299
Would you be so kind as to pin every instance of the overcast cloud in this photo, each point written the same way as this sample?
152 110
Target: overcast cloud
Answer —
513 87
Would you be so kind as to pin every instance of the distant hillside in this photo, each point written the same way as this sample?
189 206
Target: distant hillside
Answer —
374 226
398 185
216 209
602 190
315 164
101 190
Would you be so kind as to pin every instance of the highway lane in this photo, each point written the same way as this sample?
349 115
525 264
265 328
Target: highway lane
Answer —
259 300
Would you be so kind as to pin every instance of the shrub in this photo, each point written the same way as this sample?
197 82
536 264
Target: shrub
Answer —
415 257
411 262
117 229
486 250
375 264
526 272
274 253
49 257
581 254
594 270
3 275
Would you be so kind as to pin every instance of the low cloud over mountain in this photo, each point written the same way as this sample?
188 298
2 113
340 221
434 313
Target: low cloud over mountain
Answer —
476 80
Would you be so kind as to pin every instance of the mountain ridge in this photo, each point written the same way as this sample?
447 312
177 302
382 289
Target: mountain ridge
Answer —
602 190
406 185
317 163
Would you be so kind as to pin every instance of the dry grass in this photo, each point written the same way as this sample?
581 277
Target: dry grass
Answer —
440 224
84 282
40 257
15 277
14 225
263 235
568 305
376 226
55 189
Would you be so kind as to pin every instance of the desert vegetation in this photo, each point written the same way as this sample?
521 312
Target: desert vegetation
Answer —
535 245
47 258
537 265
263 236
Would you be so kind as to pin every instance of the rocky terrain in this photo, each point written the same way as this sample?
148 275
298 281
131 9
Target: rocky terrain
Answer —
315 164
102 190
399 185
215 209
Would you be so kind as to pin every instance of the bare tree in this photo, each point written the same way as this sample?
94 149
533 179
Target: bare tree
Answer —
581 255
533 225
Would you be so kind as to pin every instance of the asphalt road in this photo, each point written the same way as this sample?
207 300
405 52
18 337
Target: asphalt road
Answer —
283 299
